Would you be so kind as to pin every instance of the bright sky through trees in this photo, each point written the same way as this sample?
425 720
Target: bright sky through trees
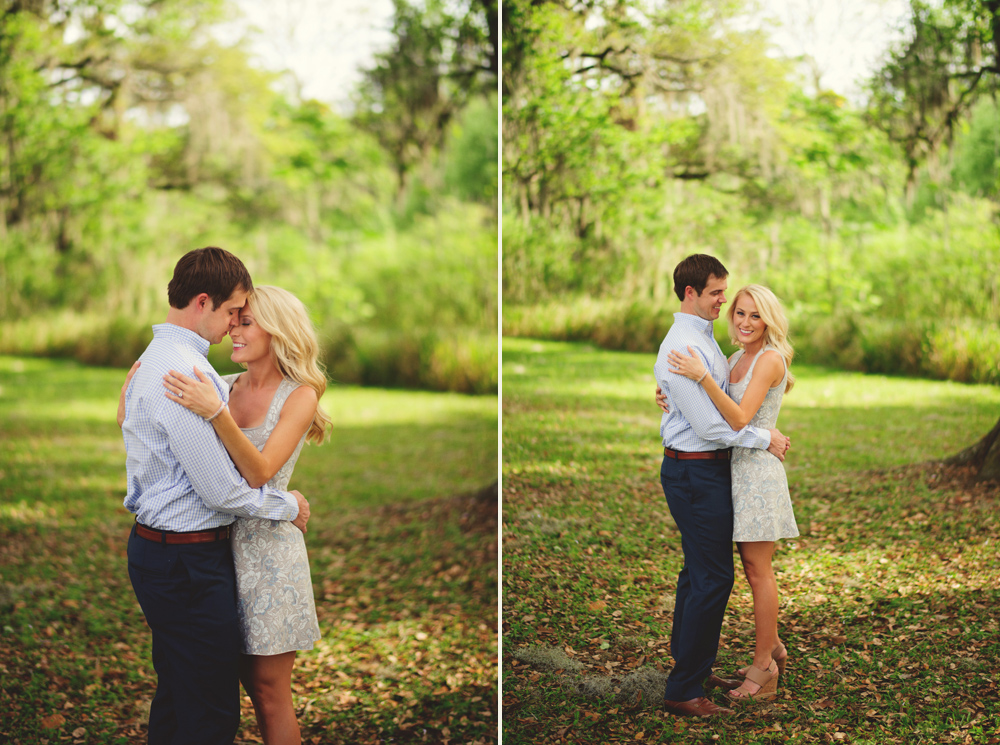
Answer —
323 42
843 40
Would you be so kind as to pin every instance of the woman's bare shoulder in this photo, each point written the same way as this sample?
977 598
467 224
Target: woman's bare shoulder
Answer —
771 366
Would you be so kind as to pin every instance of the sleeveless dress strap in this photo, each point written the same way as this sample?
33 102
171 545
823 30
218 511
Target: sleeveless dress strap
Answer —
285 389
737 356
753 363
784 378
281 394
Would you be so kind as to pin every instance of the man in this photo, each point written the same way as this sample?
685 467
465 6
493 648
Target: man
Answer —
185 492
695 475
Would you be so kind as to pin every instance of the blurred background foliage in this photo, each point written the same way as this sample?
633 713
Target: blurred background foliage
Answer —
637 132
130 134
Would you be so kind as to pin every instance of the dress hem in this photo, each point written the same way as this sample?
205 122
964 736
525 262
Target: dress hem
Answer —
300 648
761 540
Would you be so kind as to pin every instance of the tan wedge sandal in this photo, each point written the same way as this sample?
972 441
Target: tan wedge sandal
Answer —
779 655
766 680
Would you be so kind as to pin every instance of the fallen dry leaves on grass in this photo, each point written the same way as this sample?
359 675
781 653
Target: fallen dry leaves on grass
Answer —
407 603
888 611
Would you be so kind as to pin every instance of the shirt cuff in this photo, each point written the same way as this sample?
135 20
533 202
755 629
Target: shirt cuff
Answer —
293 504
766 435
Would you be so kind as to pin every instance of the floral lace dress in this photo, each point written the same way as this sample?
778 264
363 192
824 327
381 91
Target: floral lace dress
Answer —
274 588
762 507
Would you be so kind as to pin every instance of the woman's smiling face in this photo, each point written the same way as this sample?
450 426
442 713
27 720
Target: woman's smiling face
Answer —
749 326
250 341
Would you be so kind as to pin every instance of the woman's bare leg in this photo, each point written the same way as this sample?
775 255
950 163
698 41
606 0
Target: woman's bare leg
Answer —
756 556
268 680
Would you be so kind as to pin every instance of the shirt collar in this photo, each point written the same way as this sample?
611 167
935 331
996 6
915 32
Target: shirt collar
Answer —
696 322
182 336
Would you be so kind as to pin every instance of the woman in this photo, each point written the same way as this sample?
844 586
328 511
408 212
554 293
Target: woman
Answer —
273 409
762 508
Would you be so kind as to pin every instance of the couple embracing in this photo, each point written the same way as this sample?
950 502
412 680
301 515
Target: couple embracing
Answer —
723 477
216 556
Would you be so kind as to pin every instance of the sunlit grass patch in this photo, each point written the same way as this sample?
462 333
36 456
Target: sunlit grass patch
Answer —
354 407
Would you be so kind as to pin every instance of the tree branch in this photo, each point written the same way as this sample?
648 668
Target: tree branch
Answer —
681 61
692 175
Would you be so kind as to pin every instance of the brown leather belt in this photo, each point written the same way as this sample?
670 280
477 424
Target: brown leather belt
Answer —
706 455
165 536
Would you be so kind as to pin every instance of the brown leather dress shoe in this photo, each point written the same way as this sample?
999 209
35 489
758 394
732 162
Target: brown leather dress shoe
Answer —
726 684
696 707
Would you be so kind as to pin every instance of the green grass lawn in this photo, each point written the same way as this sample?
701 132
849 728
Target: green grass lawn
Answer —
888 598
402 548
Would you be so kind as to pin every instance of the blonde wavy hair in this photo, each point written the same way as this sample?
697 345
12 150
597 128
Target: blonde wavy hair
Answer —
294 348
772 313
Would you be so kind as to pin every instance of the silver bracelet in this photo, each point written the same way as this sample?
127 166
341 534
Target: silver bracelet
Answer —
217 412
696 382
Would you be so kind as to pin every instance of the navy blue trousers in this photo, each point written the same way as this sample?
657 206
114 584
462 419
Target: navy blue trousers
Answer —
700 496
188 595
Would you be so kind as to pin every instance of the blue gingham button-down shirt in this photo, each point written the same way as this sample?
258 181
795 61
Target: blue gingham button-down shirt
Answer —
694 424
180 476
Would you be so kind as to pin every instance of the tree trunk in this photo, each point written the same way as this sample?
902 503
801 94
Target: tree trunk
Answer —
492 13
984 456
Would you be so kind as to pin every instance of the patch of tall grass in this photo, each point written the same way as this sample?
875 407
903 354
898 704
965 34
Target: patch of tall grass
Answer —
621 325
90 338
964 350
457 360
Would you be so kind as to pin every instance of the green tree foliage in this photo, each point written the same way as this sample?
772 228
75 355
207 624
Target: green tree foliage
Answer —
443 54
935 98
930 80
637 132
598 93
129 134
977 152
83 88
950 60
470 162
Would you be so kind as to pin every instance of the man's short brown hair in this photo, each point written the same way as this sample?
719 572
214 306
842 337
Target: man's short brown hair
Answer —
212 270
694 272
